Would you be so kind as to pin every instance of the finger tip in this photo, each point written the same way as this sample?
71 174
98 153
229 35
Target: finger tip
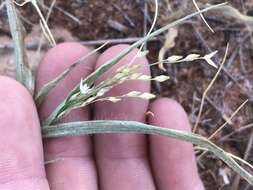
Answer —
16 97
173 155
10 85
120 110
21 145
16 100
169 111
60 58
57 60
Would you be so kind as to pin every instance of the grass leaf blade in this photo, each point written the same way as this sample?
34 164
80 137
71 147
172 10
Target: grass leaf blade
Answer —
23 72
106 126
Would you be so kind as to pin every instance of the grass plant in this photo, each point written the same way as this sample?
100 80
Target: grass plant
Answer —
86 92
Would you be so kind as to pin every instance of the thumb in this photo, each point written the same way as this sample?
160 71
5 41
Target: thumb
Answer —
21 153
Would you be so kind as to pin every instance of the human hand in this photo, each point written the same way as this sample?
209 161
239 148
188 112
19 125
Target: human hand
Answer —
106 162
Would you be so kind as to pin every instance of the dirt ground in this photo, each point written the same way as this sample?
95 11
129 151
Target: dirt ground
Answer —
92 21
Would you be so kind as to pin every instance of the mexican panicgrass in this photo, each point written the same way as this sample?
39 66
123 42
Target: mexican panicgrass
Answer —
87 92
191 57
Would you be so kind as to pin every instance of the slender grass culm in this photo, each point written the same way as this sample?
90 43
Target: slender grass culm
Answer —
86 92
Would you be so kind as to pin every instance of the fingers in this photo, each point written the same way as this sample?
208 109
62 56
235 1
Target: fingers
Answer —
173 161
122 158
21 159
72 164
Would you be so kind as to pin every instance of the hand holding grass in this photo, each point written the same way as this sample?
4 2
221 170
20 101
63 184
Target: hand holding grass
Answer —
111 161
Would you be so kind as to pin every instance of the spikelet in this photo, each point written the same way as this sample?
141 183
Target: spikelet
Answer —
161 78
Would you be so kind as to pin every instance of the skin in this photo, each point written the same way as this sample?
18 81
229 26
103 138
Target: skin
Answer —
106 162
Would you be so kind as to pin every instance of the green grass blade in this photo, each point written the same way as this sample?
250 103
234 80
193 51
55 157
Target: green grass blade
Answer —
106 126
23 72
49 86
